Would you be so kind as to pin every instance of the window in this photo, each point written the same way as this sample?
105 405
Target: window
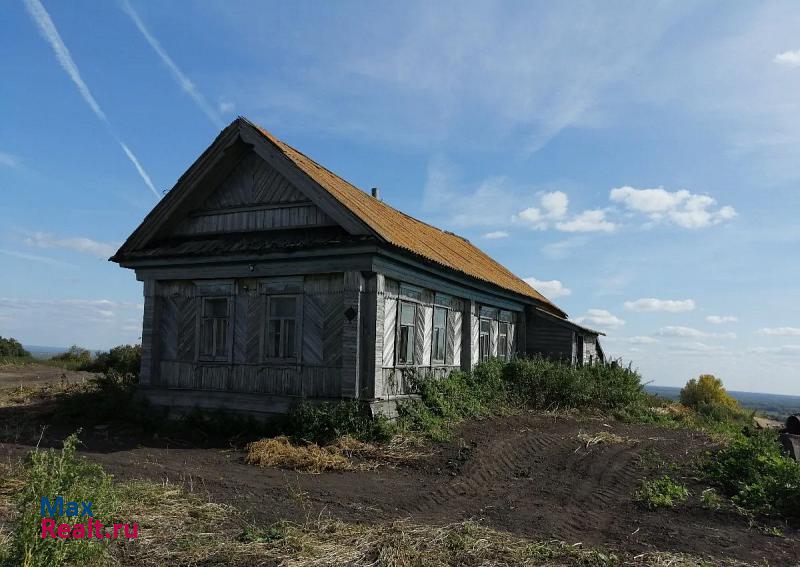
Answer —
439 343
215 328
484 343
281 327
502 340
405 344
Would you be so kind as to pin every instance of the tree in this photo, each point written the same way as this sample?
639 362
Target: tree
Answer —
12 347
707 391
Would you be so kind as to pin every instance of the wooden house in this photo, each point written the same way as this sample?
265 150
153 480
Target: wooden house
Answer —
268 278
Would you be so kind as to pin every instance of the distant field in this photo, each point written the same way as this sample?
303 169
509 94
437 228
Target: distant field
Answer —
773 405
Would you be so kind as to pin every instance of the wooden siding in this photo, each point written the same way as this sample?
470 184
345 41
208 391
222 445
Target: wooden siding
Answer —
305 381
550 339
254 197
318 371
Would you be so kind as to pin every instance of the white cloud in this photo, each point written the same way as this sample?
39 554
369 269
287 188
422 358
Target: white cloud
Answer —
780 331
49 32
783 349
562 248
600 318
791 58
721 319
180 77
75 243
226 106
641 340
682 208
587 221
8 160
689 332
551 289
653 304
552 206
496 235
696 347
555 204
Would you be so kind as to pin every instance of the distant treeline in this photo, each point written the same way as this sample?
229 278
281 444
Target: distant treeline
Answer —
124 359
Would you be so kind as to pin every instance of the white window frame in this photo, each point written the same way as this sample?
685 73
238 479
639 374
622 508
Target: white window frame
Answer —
398 332
484 354
439 361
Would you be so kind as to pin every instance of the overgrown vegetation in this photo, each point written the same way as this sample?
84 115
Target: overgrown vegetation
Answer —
12 348
495 387
752 471
54 473
662 492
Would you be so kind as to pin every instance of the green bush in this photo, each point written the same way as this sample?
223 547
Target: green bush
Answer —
11 348
74 356
124 359
54 473
661 492
496 387
757 476
324 423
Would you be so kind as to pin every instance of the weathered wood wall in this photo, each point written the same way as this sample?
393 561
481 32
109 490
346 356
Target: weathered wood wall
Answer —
461 337
549 338
318 371
254 197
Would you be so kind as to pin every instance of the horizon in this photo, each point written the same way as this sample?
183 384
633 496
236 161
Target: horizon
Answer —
641 173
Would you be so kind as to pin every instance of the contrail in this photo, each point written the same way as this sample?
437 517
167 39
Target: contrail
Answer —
180 77
50 33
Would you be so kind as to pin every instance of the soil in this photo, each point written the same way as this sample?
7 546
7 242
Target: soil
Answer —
526 474
16 375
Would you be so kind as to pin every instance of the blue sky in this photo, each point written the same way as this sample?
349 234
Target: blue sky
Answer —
641 159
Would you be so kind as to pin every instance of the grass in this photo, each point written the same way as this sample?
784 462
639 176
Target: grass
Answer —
662 492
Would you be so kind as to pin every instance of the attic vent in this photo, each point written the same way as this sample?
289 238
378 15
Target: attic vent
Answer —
376 193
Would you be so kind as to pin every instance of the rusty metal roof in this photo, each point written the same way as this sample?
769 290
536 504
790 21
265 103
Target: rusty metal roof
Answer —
408 233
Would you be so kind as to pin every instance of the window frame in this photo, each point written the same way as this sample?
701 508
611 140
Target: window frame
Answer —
443 360
298 329
201 323
506 355
484 354
399 331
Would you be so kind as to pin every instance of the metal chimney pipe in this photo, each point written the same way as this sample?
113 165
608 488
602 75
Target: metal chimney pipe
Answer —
376 193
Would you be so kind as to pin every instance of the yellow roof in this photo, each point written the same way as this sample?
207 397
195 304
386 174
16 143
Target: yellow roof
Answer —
408 233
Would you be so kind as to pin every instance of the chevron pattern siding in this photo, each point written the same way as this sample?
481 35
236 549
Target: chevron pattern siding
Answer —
187 327
427 334
389 329
255 320
453 355
419 335
313 329
168 328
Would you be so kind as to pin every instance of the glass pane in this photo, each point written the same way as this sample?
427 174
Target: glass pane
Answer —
502 346
221 338
439 317
438 345
273 338
207 339
288 345
402 345
217 307
282 306
410 345
407 314
486 326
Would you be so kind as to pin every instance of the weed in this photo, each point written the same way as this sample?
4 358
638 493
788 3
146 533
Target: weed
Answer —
757 476
661 492
710 499
54 473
